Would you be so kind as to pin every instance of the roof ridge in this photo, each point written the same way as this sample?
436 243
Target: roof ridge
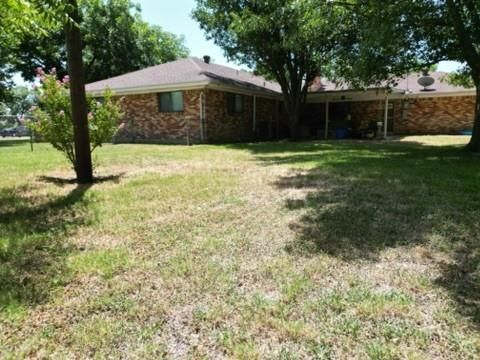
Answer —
185 70
191 59
245 71
139 70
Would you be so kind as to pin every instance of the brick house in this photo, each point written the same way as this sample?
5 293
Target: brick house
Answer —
407 107
192 100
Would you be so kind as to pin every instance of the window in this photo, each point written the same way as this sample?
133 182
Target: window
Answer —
234 103
170 101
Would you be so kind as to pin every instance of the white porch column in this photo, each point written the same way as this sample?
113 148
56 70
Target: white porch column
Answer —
254 113
326 118
385 120
277 119
202 116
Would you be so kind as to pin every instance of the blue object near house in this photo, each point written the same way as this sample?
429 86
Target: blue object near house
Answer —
341 133
466 132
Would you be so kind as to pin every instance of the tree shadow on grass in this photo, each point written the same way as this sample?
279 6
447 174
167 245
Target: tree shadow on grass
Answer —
33 227
355 200
62 181
13 142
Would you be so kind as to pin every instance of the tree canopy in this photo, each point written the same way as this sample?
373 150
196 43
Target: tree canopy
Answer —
400 36
289 40
19 102
111 29
12 21
115 25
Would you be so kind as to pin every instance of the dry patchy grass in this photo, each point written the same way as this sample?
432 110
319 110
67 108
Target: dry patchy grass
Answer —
277 250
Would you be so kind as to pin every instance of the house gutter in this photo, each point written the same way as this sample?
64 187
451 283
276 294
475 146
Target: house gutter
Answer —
373 94
385 119
254 114
429 94
150 89
203 112
326 118
268 94
242 91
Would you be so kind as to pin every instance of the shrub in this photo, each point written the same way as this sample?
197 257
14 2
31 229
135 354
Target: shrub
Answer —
53 116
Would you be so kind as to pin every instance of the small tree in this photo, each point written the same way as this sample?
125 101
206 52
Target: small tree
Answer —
54 122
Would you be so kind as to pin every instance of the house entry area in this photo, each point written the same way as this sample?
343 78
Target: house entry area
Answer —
346 119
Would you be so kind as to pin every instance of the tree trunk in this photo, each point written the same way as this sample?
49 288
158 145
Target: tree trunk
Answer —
293 113
83 166
474 144
294 120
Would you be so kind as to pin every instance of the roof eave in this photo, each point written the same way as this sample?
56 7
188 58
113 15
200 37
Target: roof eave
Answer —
374 94
440 93
149 89
267 93
212 84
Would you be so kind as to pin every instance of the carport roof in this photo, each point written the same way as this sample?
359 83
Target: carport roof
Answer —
408 84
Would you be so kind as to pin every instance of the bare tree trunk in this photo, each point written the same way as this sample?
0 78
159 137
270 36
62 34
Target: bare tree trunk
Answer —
83 166
292 109
294 121
474 144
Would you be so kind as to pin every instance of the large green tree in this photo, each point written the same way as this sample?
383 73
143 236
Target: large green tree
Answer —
111 29
13 25
19 102
289 40
463 18
396 37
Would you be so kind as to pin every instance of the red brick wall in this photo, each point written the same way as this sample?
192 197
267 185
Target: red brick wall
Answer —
436 115
222 126
266 118
143 122
365 112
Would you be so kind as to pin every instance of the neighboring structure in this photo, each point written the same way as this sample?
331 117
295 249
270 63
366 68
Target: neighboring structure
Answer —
192 100
195 101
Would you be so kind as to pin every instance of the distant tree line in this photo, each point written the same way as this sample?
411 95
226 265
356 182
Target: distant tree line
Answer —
115 40
107 37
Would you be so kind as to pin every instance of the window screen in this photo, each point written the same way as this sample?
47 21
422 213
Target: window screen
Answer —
170 101
234 103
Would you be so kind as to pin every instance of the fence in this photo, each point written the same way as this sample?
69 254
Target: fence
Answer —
19 126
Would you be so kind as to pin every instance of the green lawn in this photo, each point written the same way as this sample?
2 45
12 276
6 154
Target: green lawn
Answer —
275 251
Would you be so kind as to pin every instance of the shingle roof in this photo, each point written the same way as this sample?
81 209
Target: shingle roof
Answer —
185 71
408 83
194 70
440 85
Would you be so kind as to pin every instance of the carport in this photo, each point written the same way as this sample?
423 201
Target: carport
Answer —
357 111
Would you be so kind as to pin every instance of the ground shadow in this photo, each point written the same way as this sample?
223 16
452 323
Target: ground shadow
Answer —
33 227
4 142
355 199
62 181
